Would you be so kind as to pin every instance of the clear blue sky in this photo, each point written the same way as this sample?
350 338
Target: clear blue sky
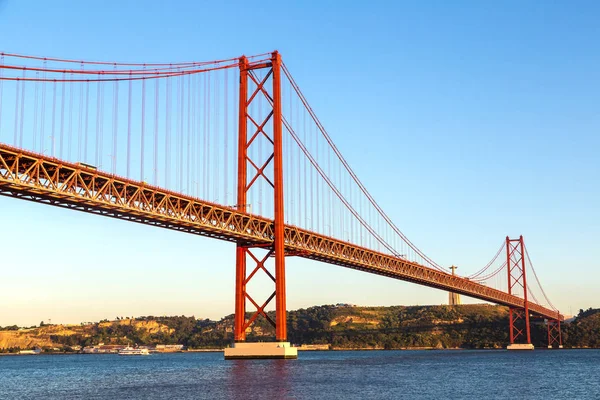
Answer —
467 120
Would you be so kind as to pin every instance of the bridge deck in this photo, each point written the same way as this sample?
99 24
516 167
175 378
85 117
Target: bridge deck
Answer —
43 179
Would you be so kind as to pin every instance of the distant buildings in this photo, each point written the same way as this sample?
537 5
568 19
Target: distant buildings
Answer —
169 348
115 348
37 350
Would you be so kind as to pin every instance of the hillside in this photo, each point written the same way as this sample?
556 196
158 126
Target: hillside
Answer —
338 326
58 336
468 326
584 331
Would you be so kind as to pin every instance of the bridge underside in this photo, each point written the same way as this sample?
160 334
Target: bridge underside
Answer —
47 180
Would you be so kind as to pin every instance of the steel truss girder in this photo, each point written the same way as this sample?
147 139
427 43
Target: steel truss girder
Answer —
47 180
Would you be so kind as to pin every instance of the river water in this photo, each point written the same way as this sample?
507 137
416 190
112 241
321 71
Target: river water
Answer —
449 374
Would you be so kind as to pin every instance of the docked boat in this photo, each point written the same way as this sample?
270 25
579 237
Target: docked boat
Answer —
130 351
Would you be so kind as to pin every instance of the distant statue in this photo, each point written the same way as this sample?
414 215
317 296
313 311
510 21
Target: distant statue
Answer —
453 298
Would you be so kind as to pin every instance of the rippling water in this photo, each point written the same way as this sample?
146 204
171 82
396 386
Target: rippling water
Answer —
541 374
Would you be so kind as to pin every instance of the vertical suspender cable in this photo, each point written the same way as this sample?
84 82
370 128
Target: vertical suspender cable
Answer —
115 126
142 127
307 199
128 150
101 143
180 151
181 130
198 160
216 151
168 133
156 122
292 176
194 130
311 183
87 118
1 85
318 201
80 124
216 175
35 111
288 171
70 138
208 152
189 134
62 117
235 120
357 181
98 94
16 131
53 136
205 140
226 139
301 174
342 211
22 110
331 207
179 135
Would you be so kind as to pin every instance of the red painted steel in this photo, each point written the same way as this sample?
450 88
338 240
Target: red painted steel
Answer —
515 264
277 249
554 332
240 255
279 245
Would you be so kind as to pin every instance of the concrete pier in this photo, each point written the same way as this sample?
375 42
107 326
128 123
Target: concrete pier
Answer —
519 346
261 350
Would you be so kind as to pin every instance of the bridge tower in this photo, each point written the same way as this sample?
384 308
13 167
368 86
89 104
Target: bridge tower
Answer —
554 333
262 126
520 334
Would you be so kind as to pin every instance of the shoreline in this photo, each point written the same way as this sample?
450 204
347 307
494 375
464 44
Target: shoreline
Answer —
299 349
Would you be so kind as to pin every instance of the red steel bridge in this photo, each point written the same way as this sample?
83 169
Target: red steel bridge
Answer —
228 149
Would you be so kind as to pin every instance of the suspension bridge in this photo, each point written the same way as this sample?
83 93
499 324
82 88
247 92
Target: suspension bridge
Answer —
229 149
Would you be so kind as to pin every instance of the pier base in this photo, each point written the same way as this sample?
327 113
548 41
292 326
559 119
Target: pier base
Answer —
262 350
518 346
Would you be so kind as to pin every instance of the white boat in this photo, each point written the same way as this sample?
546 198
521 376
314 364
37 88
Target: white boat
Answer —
130 351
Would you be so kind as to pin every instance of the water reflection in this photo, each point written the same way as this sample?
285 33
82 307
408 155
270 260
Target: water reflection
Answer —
264 379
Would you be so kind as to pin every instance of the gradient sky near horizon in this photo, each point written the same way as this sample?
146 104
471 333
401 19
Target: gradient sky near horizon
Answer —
467 120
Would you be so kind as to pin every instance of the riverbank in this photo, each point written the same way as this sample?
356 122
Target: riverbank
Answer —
335 327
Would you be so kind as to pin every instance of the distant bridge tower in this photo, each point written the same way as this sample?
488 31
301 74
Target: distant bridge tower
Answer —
453 298
517 280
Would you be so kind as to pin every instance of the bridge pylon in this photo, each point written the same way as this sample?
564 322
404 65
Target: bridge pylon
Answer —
554 333
267 127
520 333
